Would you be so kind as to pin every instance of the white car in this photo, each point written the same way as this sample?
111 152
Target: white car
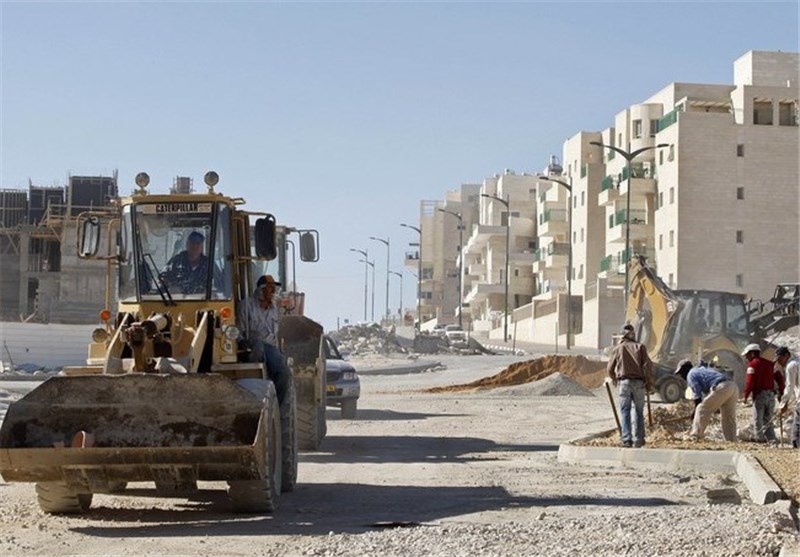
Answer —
455 335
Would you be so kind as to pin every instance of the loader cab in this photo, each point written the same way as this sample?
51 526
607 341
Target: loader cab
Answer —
710 314
175 251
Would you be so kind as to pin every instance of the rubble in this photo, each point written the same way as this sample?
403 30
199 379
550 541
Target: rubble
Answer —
371 338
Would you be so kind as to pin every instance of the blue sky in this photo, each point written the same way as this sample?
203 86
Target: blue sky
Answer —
342 116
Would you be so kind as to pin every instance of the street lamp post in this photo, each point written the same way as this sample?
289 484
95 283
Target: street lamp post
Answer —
366 277
386 241
628 156
460 261
568 186
508 262
400 307
371 264
419 276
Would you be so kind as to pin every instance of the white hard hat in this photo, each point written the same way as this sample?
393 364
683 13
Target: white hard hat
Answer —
751 348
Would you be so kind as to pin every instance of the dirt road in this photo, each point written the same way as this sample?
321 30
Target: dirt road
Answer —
476 472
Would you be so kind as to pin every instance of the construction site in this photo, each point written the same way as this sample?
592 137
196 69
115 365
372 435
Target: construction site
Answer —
42 280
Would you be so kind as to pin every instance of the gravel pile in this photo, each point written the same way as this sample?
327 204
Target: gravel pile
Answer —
711 530
367 339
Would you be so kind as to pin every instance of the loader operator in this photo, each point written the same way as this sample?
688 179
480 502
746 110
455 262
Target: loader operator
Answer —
188 270
258 317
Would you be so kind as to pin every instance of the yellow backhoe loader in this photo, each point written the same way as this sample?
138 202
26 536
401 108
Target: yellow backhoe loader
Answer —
707 324
168 395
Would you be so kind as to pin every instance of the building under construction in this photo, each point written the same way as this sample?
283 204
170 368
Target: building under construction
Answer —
41 278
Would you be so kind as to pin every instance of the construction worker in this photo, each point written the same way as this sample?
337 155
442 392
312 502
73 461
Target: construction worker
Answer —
790 401
258 317
720 394
630 367
760 382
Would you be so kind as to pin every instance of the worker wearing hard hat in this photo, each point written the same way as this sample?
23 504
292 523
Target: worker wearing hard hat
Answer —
760 382
790 401
711 391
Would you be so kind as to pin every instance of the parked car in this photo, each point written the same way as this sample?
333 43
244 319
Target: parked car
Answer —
455 335
343 386
438 330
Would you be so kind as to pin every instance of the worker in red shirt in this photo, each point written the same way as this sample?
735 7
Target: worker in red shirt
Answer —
760 382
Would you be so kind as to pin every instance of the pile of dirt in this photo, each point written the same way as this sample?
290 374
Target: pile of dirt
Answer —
556 384
587 373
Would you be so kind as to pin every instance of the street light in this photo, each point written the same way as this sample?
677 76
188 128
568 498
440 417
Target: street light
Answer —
371 264
366 277
386 241
400 308
508 232
568 187
460 260
419 276
628 156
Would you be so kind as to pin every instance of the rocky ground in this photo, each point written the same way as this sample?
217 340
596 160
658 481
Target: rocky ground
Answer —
467 472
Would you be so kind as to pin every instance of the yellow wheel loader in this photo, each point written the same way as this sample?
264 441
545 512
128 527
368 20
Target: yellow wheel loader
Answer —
707 324
168 395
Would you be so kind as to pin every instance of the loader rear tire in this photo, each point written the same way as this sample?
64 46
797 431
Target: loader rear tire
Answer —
57 498
289 438
257 496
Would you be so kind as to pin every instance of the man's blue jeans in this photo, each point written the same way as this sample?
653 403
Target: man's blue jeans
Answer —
277 370
631 392
763 411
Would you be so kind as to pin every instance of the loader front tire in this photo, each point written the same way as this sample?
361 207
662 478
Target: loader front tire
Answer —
57 498
257 496
289 438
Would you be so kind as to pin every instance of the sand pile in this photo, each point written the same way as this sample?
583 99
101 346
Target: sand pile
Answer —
585 372
556 384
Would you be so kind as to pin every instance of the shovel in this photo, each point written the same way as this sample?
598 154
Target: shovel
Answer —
613 406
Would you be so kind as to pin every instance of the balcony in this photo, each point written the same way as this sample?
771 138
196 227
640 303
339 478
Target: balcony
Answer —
617 225
554 256
668 119
608 190
553 222
482 290
476 269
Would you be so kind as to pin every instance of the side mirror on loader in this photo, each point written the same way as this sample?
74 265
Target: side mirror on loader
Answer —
89 239
265 238
309 245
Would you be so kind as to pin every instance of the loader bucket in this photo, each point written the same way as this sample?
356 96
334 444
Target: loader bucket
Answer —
90 431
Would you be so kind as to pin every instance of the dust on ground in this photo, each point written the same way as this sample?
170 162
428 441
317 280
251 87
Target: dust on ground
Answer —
671 422
587 373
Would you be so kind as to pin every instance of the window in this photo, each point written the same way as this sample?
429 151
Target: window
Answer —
653 127
516 272
671 195
660 241
637 129
532 245
575 202
740 236
583 198
740 150
739 281
762 113
671 156
661 199
581 234
619 138
671 240
660 157
671 281
787 114
739 193
580 272
574 237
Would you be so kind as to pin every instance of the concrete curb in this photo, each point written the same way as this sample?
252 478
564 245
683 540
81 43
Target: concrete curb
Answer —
762 488
400 369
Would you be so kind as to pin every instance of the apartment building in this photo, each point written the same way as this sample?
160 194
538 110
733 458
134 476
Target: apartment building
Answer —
716 208
504 237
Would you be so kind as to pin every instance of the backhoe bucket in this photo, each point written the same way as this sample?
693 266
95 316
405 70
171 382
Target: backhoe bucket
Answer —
94 431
